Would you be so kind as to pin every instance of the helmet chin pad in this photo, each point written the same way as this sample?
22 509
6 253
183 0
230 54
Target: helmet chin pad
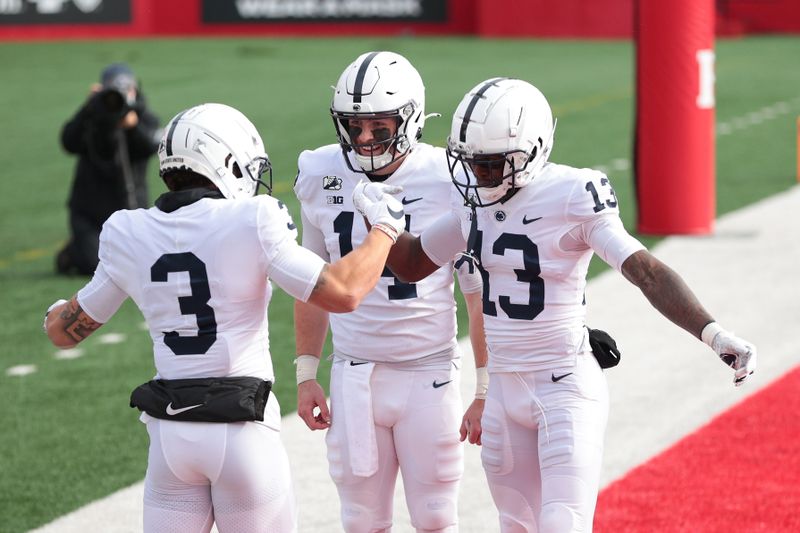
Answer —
371 163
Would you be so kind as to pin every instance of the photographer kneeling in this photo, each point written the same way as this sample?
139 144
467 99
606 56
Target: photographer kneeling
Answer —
114 135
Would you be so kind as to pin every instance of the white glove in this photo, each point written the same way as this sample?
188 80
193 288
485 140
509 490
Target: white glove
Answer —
52 306
381 210
737 353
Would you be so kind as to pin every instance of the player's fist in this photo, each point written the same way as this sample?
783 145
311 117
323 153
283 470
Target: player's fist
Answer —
367 192
375 203
737 353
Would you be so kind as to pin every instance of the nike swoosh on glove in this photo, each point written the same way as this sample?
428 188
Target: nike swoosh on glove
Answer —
375 203
737 353
367 192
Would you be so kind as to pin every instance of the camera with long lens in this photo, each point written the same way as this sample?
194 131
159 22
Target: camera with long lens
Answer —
110 105
113 101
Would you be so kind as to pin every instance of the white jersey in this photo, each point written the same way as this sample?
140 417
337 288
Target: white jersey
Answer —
396 322
534 253
199 275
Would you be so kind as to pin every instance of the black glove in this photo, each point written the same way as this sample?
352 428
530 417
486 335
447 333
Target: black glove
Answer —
604 348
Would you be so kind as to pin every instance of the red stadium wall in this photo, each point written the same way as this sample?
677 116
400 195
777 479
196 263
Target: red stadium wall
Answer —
761 16
20 19
562 18
59 19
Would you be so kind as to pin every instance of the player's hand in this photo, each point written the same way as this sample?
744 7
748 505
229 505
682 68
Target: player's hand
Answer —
367 192
471 422
310 396
737 353
375 203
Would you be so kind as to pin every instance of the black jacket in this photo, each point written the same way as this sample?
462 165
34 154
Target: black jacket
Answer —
100 186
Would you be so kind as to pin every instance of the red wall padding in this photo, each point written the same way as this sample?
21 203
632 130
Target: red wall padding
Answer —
762 16
548 18
183 17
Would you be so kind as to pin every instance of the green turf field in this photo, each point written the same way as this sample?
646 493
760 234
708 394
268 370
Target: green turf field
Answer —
68 434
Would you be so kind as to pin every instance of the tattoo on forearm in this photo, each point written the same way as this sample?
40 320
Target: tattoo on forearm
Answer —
77 324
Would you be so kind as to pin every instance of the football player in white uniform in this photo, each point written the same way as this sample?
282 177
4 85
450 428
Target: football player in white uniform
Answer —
198 266
533 227
395 399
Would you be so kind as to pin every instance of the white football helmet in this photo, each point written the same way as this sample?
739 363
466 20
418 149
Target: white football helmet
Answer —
379 85
220 143
502 131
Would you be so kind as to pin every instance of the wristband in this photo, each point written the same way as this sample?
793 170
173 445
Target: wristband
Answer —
306 367
388 230
482 382
710 332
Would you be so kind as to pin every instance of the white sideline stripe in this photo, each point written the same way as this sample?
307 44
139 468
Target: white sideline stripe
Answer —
757 117
667 385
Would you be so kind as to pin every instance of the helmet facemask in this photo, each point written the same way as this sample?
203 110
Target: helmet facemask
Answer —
387 146
486 179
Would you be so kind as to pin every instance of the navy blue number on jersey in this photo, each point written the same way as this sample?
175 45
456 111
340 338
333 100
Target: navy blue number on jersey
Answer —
528 275
599 205
290 224
343 226
194 304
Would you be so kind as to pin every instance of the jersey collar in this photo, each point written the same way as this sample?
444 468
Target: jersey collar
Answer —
174 200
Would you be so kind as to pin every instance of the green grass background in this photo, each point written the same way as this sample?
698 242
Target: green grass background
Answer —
68 435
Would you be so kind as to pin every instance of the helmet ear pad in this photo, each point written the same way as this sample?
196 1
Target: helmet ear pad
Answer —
219 143
499 118
379 85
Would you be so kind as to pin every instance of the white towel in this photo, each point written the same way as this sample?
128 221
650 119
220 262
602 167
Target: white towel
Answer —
360 424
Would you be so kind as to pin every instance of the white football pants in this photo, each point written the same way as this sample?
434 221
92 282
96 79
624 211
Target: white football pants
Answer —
236 474
543 444
416 429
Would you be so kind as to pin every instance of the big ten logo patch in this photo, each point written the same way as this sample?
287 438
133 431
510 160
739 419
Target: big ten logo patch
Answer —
335 200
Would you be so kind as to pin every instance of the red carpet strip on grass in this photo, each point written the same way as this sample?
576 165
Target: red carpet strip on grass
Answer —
738 474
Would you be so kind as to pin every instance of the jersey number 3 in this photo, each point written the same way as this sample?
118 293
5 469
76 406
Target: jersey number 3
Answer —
194 304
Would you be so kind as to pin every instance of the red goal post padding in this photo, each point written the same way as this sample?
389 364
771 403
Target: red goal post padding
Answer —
674 146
